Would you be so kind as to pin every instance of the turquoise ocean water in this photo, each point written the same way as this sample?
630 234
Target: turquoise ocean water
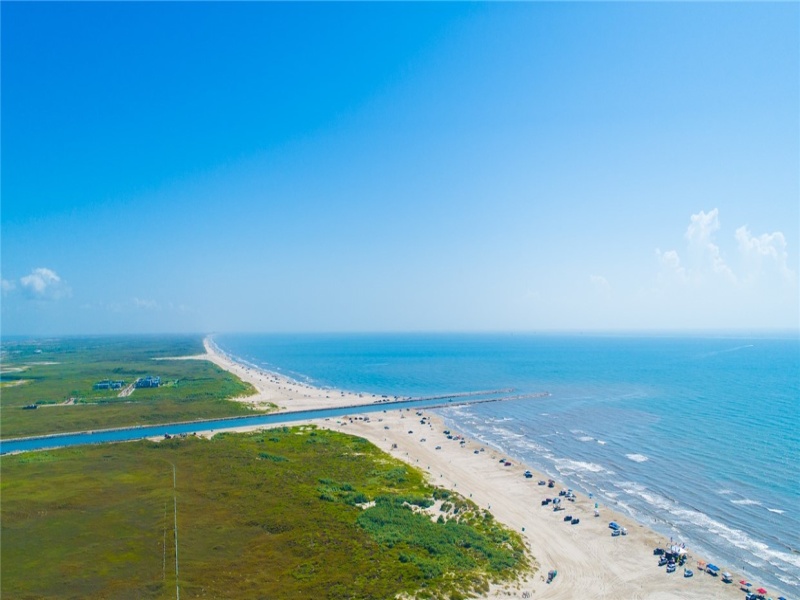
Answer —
696 437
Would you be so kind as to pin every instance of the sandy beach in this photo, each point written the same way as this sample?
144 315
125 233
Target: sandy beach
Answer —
590 562
275 389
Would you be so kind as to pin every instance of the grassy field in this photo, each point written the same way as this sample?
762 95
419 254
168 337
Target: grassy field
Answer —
286 513
58 376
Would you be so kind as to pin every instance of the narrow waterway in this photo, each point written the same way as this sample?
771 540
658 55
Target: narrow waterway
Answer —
137 433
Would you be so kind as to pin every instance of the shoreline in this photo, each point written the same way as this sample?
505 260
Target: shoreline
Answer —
278 390
590 562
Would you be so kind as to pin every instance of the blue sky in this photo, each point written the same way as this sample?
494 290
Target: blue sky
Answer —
399 167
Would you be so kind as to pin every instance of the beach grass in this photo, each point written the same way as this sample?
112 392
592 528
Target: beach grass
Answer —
58 376
283 513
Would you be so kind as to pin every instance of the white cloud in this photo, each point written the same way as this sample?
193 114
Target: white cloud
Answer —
770 247
44 284
672 263
708 284
705 259
702 226
700 235
7 286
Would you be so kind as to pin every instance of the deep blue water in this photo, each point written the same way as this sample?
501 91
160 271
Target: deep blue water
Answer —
697 437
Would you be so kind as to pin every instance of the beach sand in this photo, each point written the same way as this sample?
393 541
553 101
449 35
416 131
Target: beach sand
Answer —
275 389
590 562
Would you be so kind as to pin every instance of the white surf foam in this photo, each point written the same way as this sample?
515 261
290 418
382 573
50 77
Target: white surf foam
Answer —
746 502
532 446
733 536
568 466
786 580
505 433
676 516
639 458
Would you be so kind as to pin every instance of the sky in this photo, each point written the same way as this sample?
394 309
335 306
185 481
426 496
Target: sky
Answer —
360 167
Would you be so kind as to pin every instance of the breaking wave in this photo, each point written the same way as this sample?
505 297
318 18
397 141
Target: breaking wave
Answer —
640 458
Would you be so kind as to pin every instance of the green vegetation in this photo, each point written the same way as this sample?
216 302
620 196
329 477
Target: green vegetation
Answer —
58 376
288 513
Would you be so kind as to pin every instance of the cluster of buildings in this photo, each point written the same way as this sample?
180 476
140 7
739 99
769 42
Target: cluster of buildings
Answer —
148 382
141 382
108 384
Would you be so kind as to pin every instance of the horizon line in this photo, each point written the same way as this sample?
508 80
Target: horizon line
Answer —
759 331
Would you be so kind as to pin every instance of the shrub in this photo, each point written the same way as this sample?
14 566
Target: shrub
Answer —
273 457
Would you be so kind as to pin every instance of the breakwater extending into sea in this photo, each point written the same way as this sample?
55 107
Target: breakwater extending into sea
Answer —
695 437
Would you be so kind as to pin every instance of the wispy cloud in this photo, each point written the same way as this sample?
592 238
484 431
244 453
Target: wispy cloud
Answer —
764 252
7 286
671 263
145 304
138 305
600 283
44 284
700 237
760 254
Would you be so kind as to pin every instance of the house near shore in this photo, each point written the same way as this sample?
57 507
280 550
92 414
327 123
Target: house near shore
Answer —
148 382
108 384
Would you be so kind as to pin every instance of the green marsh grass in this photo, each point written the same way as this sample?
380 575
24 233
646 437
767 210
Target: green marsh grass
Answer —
286 513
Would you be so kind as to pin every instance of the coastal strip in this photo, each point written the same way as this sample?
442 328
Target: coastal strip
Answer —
590 562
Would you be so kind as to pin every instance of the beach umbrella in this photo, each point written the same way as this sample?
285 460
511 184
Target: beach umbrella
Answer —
745 583
761 591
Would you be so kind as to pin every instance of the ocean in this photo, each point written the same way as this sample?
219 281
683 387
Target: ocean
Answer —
696 437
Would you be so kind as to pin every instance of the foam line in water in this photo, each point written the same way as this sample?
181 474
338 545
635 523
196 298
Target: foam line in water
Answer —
567 466
639 458
733 536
